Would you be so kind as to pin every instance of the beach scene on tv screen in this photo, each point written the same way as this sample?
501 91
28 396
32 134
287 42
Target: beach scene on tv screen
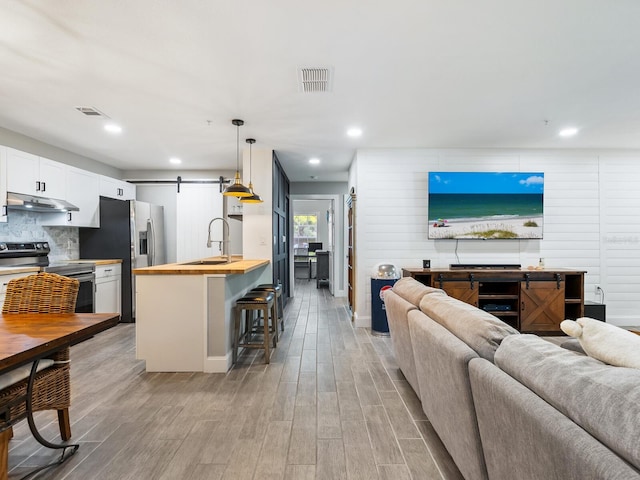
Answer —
485 205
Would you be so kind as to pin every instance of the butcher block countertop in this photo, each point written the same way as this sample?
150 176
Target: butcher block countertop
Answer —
238 265
98 261
23 269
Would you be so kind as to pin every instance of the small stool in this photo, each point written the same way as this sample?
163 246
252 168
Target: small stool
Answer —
254 301
277 289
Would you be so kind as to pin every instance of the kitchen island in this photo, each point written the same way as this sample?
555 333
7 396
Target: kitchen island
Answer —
184 312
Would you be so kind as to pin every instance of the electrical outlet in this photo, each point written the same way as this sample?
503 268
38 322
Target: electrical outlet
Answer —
598 289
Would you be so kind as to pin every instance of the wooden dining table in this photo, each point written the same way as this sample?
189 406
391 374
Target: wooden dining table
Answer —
29 337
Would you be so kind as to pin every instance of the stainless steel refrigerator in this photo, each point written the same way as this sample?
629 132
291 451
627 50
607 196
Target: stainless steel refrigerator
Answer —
129 230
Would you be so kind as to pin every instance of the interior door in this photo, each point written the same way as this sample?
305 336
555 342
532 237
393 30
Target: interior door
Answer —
351 251
280 226
196 206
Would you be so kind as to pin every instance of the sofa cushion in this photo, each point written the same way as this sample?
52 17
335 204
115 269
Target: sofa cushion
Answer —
412 290
397 309
445 392
602 399
18 374
605 342
479 329
574 345
526 438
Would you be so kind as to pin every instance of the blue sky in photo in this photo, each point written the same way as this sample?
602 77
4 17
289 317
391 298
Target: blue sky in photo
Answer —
486 182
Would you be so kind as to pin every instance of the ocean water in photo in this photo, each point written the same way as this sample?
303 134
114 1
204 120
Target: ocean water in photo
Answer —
475 206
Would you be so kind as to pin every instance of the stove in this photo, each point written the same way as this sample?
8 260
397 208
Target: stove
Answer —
36 254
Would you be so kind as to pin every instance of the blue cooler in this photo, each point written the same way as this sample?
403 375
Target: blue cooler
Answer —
385 278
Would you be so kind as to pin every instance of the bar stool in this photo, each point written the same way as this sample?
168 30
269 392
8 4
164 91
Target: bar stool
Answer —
252 302
274 310
277 289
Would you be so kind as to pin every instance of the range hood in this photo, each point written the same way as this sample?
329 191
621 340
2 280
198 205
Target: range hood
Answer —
31 203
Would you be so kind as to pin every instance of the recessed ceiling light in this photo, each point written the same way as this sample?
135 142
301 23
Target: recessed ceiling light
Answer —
354 132
568 132
175 160
314 161
113 128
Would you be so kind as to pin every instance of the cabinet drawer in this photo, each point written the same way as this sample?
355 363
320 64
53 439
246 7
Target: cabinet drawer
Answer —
106 271
5 279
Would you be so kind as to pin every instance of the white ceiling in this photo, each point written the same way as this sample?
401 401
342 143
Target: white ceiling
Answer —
421 73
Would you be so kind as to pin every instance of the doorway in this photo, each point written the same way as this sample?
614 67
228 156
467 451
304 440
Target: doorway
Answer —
317 227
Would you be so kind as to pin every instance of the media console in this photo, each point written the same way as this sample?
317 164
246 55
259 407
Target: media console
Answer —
532 301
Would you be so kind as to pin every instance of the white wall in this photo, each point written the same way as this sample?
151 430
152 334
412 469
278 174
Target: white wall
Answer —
36 147
591 219
257 229
318 188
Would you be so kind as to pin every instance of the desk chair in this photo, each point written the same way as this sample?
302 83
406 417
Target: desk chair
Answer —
40 293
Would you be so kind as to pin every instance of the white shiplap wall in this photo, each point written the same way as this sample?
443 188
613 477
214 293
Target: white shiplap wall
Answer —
589 207
620 236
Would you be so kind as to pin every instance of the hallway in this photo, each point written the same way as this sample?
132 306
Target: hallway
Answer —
331 405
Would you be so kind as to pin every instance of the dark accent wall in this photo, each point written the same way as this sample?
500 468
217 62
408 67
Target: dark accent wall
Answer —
281 209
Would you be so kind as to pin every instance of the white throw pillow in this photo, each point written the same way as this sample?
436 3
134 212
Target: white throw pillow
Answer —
605 342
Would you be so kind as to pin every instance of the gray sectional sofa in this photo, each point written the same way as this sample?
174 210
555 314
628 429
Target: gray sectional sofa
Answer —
512 406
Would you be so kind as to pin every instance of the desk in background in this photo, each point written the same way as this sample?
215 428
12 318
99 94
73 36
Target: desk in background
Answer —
302 263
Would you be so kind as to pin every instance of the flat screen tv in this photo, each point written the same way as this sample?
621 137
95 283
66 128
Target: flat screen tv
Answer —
486 205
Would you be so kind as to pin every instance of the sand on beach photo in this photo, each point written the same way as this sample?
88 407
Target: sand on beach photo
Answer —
487 228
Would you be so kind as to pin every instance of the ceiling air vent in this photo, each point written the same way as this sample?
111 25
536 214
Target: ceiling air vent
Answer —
315 80
91 112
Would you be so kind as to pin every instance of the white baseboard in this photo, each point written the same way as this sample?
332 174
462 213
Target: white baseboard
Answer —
218 364
361 321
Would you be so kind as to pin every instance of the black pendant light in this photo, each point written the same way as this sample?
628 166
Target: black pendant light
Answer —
237 189
254 198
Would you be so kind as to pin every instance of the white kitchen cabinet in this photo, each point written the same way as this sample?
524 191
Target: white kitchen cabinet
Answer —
3 184
118 189
33 175
108 288
82 189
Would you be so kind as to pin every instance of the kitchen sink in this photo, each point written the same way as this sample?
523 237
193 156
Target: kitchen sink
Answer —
206 262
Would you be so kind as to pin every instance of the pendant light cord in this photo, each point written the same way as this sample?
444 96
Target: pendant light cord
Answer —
238 148
250 161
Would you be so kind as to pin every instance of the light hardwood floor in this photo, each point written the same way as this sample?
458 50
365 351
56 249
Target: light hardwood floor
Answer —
331 405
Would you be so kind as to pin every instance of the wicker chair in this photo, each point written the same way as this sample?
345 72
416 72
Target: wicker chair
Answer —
41 293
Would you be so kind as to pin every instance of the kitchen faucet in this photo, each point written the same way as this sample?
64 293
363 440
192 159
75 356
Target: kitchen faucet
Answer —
224 243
